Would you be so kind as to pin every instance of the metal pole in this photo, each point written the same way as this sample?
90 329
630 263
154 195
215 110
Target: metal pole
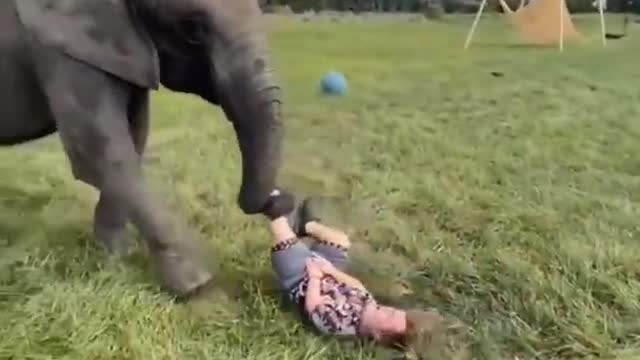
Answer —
475 24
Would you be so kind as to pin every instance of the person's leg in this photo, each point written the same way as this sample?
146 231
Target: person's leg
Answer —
330 243
288 254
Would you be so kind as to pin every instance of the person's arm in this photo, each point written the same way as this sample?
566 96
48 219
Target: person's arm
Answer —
313 298
328 268
345 278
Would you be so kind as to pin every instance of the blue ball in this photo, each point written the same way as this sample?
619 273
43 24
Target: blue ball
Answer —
334 84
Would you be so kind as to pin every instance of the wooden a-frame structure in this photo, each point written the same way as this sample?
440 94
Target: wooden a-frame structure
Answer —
541 22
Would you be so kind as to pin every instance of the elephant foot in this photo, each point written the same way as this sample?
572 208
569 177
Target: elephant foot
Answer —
115 241
181 272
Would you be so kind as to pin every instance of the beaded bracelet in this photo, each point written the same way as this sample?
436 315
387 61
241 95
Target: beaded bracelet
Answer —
283 245
327 243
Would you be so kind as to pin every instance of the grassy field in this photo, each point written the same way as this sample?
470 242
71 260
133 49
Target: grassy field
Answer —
509 203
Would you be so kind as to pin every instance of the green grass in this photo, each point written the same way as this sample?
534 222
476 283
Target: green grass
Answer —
509 203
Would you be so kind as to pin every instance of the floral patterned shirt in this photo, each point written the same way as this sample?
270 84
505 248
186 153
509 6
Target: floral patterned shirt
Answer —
342 315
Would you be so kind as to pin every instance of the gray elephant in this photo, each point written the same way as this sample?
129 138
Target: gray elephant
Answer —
84 69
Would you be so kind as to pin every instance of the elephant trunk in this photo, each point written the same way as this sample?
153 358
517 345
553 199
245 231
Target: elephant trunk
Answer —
251 101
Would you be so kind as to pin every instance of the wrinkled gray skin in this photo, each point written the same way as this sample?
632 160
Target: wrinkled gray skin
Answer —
84 68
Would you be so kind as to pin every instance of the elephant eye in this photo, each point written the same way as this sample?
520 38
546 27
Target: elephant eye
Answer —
194 30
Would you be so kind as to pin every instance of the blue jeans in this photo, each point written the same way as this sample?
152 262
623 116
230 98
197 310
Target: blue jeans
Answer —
290 264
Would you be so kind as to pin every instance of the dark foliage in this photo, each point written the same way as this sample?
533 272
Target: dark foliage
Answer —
449 6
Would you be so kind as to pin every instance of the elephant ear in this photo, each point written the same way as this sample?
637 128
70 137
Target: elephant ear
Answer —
102 33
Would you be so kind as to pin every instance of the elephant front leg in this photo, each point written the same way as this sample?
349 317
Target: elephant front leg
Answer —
177 257
111 217
110 226
90 109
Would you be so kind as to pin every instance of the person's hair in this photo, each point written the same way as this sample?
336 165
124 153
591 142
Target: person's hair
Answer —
424 333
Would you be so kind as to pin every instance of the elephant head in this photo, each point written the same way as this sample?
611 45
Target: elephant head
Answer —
216 49
211 48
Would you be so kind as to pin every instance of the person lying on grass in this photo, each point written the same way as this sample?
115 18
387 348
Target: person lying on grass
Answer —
314 278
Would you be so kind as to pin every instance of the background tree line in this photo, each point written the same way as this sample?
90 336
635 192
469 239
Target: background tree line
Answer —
448 6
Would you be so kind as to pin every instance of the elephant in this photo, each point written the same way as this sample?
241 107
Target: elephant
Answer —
85 70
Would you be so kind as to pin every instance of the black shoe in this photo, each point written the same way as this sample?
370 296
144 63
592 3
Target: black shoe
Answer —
300 216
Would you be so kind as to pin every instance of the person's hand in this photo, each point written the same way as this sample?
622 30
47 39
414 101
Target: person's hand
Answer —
314 268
